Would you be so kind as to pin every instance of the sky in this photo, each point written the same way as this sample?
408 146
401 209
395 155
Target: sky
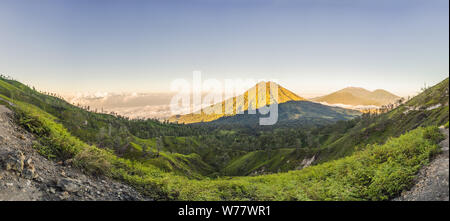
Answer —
310 47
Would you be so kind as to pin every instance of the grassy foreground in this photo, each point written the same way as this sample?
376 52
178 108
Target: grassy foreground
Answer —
377 172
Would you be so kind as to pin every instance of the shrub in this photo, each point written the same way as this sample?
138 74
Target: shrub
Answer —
378 172
93 161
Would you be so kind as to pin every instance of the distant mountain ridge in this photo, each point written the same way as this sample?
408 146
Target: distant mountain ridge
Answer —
358 96
251 100
171 162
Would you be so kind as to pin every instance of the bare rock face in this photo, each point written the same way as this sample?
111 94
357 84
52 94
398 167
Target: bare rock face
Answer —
29 172
69 185
15 161
306 162
20 165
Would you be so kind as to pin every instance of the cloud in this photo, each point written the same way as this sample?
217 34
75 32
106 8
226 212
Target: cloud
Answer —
133 105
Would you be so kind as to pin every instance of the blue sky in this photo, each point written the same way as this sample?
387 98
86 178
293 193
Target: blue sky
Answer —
311 47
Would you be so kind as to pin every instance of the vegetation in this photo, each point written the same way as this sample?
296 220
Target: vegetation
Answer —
341 139
357 159
375 173
378 172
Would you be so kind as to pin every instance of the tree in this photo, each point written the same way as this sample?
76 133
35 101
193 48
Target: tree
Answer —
159 145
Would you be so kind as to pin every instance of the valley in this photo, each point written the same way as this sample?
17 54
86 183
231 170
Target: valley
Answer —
315 152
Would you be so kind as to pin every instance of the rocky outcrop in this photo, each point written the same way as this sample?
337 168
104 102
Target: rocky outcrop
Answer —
69 185
25 175
306 162
16 162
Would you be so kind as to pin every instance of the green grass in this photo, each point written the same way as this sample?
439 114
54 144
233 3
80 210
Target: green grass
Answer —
221 150
377 129
344 138
269 161
114 134
437 94
354 166
379 172
376 173
55 142
190 165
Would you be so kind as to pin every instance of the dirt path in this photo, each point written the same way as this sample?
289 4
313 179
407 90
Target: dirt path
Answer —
433 180
22 179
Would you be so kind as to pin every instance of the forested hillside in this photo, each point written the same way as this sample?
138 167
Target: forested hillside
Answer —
173 161
343 138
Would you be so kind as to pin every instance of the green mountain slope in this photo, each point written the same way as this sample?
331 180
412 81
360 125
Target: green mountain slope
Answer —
114 133
373 157
378 128
344 138
379 172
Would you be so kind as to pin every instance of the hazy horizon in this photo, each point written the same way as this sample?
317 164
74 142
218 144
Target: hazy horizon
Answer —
312 47
311 93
